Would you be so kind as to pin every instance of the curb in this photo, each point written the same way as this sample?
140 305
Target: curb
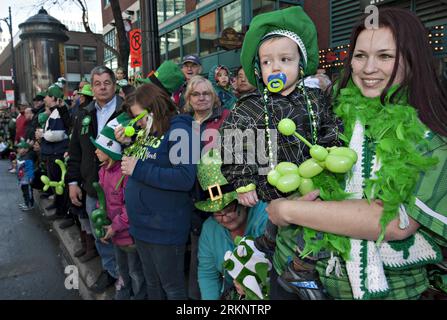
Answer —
69 241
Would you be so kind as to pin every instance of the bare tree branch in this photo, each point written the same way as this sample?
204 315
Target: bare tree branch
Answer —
97 37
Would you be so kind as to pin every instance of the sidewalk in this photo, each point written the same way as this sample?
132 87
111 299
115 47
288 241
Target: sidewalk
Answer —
70 241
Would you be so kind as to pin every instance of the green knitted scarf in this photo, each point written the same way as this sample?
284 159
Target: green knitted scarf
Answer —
399 138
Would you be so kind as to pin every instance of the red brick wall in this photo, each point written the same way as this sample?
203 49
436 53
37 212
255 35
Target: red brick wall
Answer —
319 13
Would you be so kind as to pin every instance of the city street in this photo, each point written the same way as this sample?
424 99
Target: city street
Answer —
31 262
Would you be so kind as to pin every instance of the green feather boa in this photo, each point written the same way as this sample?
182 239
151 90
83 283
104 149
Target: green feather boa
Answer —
399 136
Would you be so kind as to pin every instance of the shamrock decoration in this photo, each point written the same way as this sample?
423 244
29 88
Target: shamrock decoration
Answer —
99 216
58 185
288 177
249 267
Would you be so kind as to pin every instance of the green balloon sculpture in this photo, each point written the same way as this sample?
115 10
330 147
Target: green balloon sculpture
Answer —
288 177
57 185
99 216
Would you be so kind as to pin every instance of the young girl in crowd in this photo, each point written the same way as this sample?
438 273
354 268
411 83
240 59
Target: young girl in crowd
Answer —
131 279
220 78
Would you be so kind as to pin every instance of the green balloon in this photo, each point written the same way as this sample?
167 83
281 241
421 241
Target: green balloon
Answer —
99 232
273 177
97 214
59 190
99 221
129 131
309 168
286 168
319 153
306 186
338 164
45 179
344 152
288 183
287 127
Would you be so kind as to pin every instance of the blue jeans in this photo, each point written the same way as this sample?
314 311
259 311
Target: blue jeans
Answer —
131 271
163 267
106 251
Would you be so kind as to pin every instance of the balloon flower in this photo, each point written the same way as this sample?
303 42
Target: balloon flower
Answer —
57 185
288 177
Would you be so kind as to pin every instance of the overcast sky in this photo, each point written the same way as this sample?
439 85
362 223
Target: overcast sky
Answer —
66 9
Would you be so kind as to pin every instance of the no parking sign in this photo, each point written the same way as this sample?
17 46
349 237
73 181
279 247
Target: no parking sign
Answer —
135 48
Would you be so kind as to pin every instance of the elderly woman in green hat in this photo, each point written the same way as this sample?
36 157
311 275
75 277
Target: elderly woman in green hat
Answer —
279 50
229 219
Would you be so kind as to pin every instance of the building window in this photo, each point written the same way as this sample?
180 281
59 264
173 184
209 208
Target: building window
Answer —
168 8
261 6
179 6
189 38
110 39
161 11
162 48
231 16
208 33
72 53
89 54
174 45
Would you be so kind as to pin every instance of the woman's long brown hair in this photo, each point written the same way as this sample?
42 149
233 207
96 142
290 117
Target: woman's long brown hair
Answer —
421 82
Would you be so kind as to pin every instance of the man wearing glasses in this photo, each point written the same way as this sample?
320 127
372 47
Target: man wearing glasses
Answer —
83 165
191 66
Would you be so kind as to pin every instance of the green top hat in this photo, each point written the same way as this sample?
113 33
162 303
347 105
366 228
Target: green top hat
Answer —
106 142
168 76
86 90
293 23
211 179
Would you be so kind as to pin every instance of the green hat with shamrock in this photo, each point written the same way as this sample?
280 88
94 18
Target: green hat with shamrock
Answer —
168 76
212 181
86 90
106 142
292 23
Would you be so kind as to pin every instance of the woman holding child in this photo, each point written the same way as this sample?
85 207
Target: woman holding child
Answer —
394 113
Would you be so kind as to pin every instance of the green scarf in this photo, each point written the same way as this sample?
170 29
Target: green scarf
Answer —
399 138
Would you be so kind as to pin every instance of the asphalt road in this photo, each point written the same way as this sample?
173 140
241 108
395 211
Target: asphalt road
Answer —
31 262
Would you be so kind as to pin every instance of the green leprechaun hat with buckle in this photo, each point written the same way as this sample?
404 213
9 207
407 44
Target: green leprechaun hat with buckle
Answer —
217 192
168 76
106 142
292 23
